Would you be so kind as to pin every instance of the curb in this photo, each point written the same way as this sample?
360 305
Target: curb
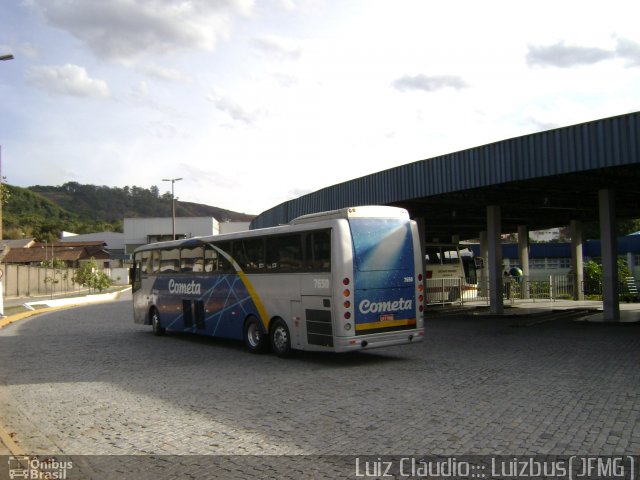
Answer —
6 439
59 304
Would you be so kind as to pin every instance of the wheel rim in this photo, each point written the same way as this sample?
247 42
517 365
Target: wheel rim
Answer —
253 335
280 338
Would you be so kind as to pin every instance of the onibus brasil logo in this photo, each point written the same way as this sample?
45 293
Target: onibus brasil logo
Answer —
49 468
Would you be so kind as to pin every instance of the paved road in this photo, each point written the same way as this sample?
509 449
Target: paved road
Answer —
89 381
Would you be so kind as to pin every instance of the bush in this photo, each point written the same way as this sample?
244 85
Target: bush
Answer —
88 275
593 277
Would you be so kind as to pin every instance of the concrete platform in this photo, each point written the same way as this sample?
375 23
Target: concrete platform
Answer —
593 310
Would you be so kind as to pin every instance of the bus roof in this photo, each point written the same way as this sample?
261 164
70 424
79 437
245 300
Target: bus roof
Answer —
343 213
378 211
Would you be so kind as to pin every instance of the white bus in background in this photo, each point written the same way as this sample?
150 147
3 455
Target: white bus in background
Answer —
451 273
349 279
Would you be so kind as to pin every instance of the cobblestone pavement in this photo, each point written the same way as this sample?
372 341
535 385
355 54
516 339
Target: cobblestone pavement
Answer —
87 381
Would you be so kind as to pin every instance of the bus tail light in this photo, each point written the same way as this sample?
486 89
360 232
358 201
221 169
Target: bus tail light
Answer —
347 315
346 281
346 292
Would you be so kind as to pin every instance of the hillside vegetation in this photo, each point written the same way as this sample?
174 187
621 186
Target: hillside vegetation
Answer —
44 211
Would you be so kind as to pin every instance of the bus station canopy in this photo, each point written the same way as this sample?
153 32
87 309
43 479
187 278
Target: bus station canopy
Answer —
541 180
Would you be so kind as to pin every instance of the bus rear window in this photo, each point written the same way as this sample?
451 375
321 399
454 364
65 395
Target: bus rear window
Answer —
382 244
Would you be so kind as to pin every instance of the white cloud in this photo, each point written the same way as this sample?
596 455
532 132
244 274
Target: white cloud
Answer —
565 56
281 47
164 73
67 80
125 29
428 83
232 108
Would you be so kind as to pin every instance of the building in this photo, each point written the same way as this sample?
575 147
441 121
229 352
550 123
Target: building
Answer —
140 231
114 244
555 258
7 245
72 254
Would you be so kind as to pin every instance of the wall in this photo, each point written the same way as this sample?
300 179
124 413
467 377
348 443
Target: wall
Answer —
138 230
29 281
120 276
233 227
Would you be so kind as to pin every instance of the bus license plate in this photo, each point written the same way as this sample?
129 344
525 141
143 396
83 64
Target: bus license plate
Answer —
386 317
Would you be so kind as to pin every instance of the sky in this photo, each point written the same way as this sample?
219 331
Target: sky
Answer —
256 102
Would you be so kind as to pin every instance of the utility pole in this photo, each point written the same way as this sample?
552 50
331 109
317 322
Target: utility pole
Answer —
173 203
2 57
1 196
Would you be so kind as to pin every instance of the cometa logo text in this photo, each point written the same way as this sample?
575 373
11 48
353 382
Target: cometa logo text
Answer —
367 306
192 288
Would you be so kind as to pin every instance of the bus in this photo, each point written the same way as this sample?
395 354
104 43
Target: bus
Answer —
343 280
451 273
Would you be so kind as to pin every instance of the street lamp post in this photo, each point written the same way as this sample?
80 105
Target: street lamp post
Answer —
2 57
173 203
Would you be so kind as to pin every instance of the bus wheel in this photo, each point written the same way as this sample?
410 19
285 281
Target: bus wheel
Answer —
280 338
254 338
155 323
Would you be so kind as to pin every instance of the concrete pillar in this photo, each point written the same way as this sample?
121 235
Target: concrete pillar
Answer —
609 252
523 258
421 235
577 264
494 260
483 275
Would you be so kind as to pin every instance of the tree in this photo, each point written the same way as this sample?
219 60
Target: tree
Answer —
88 275
593 275
5 192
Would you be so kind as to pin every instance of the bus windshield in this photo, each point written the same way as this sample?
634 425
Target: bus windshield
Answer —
381 244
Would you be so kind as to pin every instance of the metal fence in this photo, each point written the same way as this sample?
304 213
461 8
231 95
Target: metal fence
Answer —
552 287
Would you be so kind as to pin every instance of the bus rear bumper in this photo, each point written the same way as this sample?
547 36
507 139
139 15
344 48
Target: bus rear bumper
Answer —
377 340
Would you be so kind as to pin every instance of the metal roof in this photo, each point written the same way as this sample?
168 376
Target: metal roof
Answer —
542 180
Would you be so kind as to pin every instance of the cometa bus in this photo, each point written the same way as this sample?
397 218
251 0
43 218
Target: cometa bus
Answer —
349 279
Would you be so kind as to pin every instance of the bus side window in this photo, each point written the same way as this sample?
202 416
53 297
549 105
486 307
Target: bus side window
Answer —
191 260
145 263
135 272
170 260
155 261
284 253
318 251
249 254
210 259
213 261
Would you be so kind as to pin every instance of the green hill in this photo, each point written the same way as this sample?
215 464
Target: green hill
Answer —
44 211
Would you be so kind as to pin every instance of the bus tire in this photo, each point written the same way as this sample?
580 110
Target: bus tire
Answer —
280 338
155 323
255 339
